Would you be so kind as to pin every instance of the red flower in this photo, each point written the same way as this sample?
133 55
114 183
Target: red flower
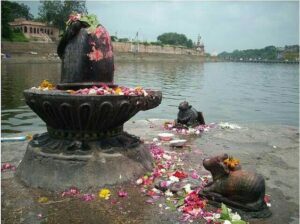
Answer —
180 175
109 54
99 31
95 55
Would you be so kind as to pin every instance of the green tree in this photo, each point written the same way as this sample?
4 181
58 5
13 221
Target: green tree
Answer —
175 39
11 11
57 12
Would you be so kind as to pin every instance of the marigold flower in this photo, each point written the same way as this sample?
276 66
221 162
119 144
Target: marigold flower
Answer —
46 84
104 193
231 162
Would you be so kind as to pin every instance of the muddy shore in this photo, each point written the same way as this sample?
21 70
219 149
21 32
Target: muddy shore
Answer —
272 151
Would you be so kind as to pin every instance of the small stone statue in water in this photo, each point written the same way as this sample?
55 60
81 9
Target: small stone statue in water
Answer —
188 116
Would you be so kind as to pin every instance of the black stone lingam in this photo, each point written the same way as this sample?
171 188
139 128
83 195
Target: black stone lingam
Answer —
85 144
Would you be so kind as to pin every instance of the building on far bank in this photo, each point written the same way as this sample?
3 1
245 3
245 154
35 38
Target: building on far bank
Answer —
36 31
200 46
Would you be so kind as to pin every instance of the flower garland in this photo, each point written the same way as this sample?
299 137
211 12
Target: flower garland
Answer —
89 19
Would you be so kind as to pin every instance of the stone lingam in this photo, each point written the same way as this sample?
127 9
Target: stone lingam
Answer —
239 189
85 144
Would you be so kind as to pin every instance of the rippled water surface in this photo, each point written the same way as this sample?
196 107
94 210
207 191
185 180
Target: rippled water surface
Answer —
234 92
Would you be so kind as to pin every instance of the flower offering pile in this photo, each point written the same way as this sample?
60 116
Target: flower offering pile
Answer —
184 130
178 187
106 90
103 89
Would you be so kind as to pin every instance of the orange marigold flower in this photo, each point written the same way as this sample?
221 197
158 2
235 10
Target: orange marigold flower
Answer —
231 162
46 84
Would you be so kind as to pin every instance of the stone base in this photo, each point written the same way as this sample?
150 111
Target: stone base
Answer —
58 172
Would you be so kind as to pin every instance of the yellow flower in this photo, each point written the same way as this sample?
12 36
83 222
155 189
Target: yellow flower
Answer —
118 91
70 91
104 193
46 84
43 200
231 162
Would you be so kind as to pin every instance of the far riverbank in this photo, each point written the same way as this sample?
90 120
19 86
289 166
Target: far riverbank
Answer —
30 52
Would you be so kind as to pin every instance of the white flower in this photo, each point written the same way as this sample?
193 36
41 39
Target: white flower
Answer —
167 157
168 193
163 170
145 93
139 181
226 222
155 140
187 188
217 215
174 179
92 92
235 216
156 190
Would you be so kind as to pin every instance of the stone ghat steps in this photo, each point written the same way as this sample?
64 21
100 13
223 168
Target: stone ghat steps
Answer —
27 47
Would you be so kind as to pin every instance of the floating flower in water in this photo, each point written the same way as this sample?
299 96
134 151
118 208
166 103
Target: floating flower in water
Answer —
183 130
88 197
122 194
43 200
227 125
104 193
231 162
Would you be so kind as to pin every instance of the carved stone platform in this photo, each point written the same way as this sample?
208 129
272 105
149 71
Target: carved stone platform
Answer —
53 171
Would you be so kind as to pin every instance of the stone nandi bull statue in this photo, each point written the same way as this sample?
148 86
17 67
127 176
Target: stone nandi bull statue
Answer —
235 187
188 116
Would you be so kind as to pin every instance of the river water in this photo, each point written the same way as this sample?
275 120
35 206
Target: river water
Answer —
228 92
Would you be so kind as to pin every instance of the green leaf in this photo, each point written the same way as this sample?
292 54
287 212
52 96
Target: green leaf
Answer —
238 222
225 212
180 202
171 205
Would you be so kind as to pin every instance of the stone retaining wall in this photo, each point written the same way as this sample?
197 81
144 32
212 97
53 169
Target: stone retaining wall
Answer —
42 49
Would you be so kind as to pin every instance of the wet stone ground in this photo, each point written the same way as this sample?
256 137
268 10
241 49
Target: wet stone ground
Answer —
269 150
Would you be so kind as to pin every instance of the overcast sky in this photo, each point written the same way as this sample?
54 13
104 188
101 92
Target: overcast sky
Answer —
223 26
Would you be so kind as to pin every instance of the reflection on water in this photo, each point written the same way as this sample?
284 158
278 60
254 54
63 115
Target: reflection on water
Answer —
236 92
